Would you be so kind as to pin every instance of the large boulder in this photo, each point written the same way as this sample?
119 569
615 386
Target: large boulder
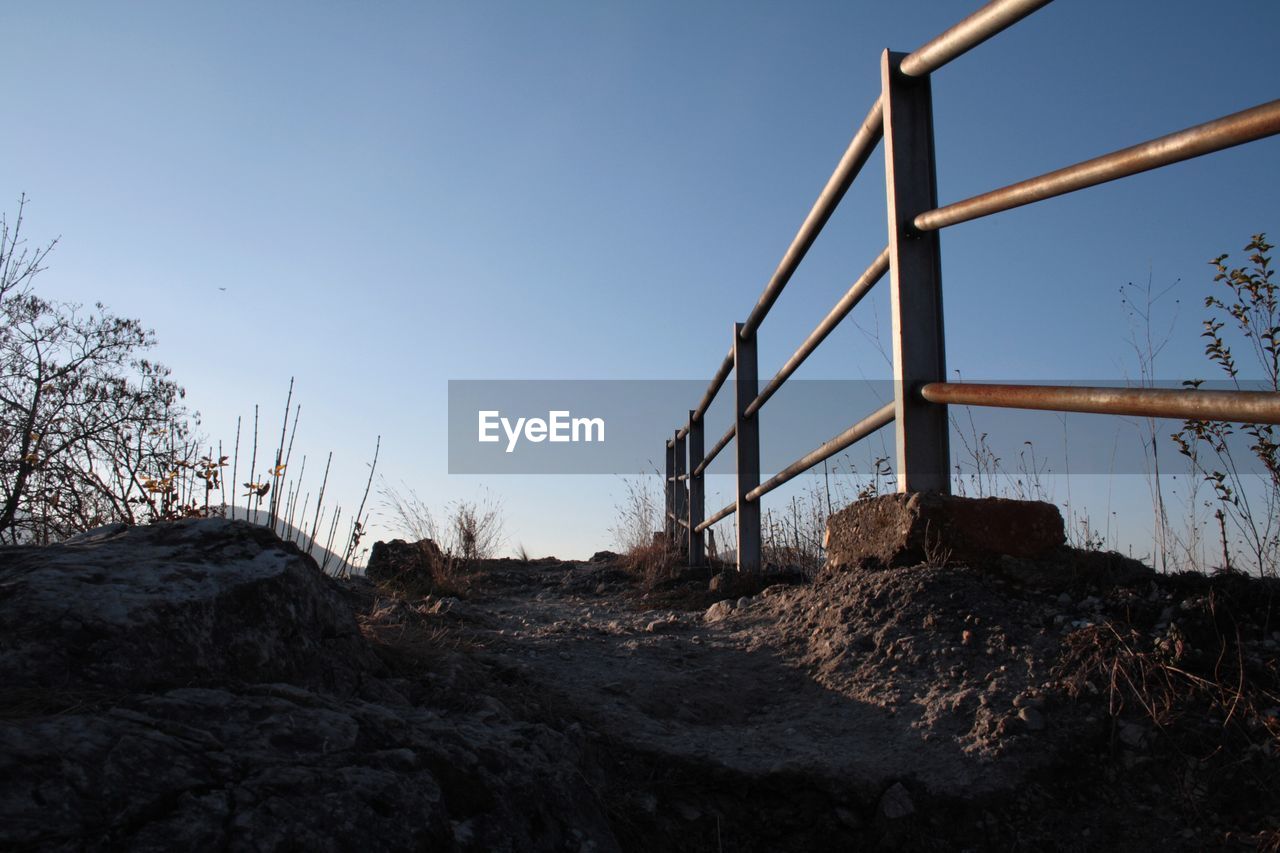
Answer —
920 527
176 603
201 685
405 563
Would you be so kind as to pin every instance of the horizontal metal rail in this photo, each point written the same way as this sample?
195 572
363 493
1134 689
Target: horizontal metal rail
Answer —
851 163
717 381
715 450
1236 129
988 21
718 517
855 433
991 19
852 297
1234 406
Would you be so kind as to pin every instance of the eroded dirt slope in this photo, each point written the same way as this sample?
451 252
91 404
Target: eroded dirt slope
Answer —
924 707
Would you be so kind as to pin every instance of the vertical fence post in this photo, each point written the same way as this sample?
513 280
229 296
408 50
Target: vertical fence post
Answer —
670 492
915 265
697 495
680 506
746 443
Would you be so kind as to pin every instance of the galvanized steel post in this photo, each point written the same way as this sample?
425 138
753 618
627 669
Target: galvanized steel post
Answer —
915 269
680 505
668 514
697 494
747 445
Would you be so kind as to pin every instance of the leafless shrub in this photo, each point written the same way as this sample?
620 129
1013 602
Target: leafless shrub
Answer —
90 432
1246 317
1147 343
467 532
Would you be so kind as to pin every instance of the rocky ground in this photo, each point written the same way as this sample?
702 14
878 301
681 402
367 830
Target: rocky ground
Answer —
200 685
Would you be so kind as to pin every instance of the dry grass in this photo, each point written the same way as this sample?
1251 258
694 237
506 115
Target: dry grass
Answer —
466 531
412 631
653 564
466 535
1205 686
449 576
638 514
1187 674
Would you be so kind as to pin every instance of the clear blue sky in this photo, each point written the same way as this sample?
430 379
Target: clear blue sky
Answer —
399 194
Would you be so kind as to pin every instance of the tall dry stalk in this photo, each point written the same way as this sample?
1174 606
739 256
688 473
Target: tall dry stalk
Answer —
357 525
638 515
277 470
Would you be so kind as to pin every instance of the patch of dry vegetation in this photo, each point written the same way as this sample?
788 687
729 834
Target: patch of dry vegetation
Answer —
1191 676
654 564
452 545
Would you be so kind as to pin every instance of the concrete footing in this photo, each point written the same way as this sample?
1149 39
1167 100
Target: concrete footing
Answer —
908 529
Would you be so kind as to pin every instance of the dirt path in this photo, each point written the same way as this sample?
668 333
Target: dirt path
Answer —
737 693
923 707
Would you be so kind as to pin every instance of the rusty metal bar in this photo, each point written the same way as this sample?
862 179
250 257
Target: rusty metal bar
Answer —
714 388
854 158
863 428
719 516
1262 407
715 450
988 21
972 31
1236 129
922 432
860 288
697 495
682 522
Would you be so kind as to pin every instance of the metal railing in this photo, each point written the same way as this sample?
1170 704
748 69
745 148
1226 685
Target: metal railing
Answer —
903 117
